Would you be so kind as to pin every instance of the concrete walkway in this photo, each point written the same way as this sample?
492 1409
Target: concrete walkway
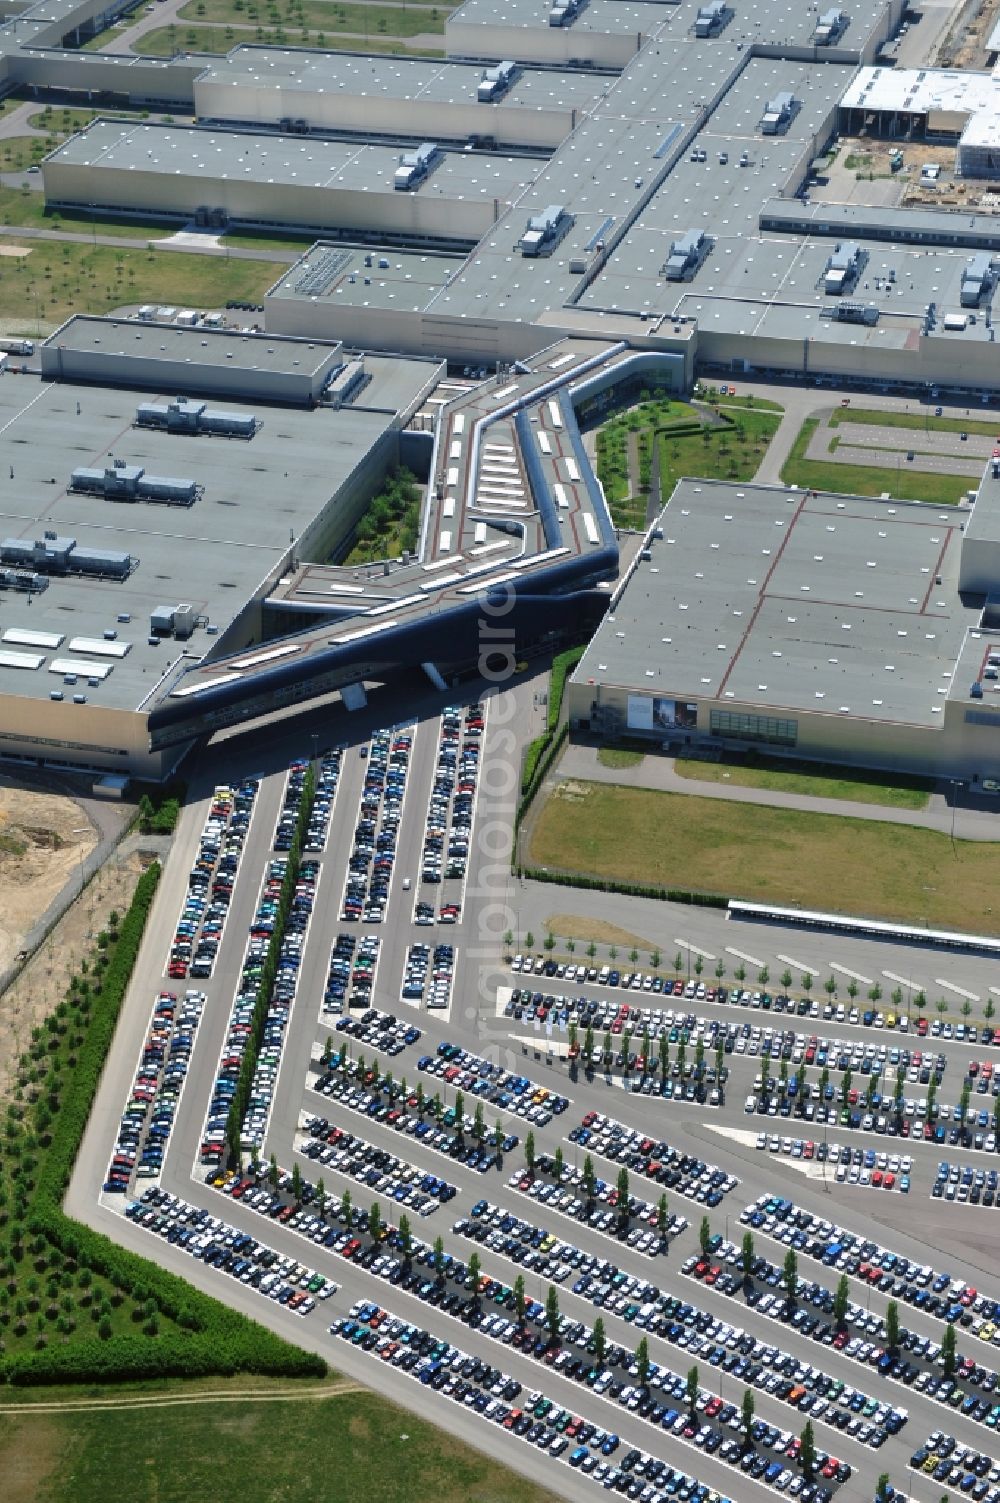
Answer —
208 248
973 821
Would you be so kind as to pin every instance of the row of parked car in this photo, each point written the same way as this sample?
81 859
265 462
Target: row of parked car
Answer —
381 1030
146 1123
914 1364
369 867
603 1209
944 1460
324 794
969 1186
220 1245
429 975
211 881
491 1083
543 1253
381 1098
350 977
738 996
452 802
290 953
852 1166
679 1172
384 1174
935 1292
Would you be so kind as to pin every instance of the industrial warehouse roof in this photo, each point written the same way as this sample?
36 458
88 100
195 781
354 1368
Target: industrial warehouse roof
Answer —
792 601
291 161
398 78
215 555
405 280
215 348
917 92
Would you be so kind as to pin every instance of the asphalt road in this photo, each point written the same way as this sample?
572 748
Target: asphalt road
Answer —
930 1231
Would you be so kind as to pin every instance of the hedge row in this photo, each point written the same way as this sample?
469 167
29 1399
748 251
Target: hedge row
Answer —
630 889
562 666
211 1338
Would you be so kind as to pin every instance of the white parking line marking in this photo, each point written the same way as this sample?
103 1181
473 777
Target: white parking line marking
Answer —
798 964
901 980
854 975
995 990
685 944
750 959
958 990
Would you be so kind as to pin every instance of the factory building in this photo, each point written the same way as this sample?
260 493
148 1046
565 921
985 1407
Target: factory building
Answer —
825 627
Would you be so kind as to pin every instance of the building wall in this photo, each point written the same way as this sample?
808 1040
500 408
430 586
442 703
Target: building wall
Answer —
956 748
59 362
143 81
375 113
82 735
421 214
542 44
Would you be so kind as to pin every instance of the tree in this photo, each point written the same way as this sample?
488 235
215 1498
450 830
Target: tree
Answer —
297 1184
678 962
529 1152
626 1050
747 1408
600 1342
763 976
845 1086
692 1389
520 1301
642 1362
273 1173
663 1219
807 983
830 986
790 1274
654 960
588 1046
664 1050
589 1182
786 979
747 1256
498 1137
623 1196
439 1259
807 1452
529 941
852 989
460 1114
920 1001
404 1237
949 1355
475 1273
841 1300
892 1326
321 1199
345 1207
479 1123
989 1009
375 1222
704 1235
558 1164
883 1490
552 1313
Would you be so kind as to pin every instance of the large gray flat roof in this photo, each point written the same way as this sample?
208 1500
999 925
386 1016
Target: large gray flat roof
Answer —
792 600
220 349
213 555
400 78
291 161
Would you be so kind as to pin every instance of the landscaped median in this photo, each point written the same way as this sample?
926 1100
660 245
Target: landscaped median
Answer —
903 482
644 839
74 1306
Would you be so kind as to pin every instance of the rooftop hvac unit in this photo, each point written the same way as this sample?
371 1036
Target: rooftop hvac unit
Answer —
687 252
712 18
495 82
128 482
545 230
185 416
414 166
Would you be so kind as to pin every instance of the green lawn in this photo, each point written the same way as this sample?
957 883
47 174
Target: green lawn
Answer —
688 445
25 207
618 756
165 41
748 399
247 240
924 421
61 277
317 15
772 855
862 787
732 453
341 1450
864 480
20 152
391 522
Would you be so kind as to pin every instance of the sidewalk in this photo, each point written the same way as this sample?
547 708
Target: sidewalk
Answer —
657 771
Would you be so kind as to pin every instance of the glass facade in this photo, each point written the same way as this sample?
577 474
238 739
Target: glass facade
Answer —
754 727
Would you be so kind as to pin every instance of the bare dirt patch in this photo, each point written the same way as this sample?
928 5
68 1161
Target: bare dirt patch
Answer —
43 838
44 980
573 926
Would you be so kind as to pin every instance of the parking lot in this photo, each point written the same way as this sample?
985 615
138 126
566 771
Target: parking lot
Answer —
582 1141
